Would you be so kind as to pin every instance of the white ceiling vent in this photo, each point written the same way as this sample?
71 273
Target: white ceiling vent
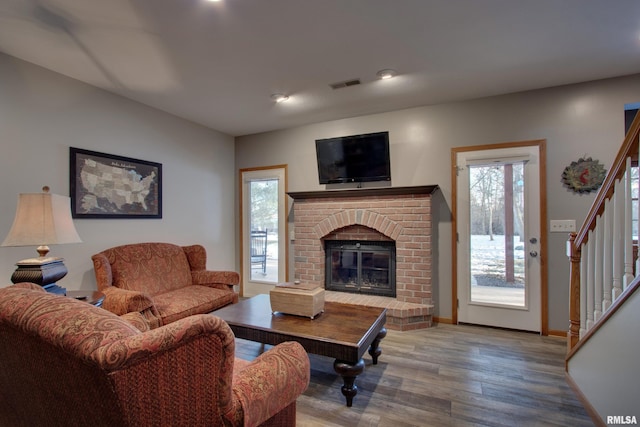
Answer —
346 83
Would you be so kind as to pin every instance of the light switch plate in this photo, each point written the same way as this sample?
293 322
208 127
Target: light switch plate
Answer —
563 225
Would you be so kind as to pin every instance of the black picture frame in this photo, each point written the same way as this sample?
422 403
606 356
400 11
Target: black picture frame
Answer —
109 186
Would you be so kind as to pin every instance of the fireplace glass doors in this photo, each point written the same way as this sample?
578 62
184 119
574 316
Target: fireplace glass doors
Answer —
361 267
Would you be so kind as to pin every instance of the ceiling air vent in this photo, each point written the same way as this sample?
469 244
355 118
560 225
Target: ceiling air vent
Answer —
346 83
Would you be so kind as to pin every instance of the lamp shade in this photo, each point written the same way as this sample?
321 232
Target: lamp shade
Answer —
42 219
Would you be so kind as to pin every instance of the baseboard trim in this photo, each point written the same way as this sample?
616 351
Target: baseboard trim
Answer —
551 332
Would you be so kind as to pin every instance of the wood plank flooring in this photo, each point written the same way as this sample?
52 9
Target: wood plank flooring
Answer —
448 375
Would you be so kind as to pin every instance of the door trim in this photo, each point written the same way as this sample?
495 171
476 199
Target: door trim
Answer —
544 274
241 222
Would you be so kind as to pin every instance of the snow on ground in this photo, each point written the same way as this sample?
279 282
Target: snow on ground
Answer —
488 261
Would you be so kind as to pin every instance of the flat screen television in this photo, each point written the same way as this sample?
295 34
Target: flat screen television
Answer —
355 158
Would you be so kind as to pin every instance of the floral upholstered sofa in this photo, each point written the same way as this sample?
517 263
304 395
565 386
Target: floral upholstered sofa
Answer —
164 282
68 363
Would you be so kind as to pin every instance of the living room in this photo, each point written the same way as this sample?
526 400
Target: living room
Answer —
43 113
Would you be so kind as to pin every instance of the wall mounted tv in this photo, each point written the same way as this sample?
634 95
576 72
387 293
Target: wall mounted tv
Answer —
355 158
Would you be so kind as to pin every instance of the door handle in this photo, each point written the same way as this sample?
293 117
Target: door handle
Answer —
533 254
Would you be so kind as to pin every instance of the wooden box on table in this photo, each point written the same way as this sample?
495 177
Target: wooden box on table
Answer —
297 298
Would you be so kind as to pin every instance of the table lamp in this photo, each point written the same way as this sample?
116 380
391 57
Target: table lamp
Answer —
42 219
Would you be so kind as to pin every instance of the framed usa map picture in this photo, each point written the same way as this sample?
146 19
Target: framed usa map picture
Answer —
109 186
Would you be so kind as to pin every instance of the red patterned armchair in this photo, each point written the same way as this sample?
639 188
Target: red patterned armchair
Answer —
162 281
68 363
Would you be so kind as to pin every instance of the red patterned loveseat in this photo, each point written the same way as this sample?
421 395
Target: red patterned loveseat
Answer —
164 282
68 363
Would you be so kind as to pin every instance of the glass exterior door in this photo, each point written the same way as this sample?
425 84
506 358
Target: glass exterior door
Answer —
263 213
499 248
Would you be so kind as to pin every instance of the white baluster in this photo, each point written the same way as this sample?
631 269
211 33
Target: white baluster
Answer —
637 210
584 254
591 244
618 243
597 268
628 234
607 268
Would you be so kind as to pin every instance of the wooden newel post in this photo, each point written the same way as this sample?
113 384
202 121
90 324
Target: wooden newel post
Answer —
574 293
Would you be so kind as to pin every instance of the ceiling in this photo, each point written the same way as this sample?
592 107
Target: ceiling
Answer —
218 63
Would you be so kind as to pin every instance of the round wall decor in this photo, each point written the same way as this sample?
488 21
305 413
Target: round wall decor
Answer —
584 176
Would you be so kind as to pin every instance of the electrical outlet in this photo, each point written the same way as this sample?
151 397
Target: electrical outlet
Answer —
563 225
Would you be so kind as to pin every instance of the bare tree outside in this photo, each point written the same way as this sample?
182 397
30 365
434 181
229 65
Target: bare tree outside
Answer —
497 226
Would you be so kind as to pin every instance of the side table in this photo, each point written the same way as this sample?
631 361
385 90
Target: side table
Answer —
92 297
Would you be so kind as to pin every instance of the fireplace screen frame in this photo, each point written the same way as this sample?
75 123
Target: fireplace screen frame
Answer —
367 268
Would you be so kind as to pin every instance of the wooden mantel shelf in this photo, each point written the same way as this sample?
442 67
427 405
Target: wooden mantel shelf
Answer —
364 192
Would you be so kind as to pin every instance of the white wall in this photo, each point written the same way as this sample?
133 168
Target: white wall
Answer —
605 368
576 120
43 113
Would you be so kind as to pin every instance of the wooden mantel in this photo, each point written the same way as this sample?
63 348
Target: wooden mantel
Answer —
363 192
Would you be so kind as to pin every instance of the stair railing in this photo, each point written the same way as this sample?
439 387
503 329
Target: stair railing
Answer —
602 252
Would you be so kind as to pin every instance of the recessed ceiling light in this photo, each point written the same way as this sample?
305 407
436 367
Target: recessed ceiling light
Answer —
386 74
279 97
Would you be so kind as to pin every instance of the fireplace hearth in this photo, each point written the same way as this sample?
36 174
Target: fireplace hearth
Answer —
366 267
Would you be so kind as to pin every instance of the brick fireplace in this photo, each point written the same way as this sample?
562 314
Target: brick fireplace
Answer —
398 214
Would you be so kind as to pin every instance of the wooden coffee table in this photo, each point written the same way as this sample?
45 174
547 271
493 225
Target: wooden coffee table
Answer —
92 297
343 332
